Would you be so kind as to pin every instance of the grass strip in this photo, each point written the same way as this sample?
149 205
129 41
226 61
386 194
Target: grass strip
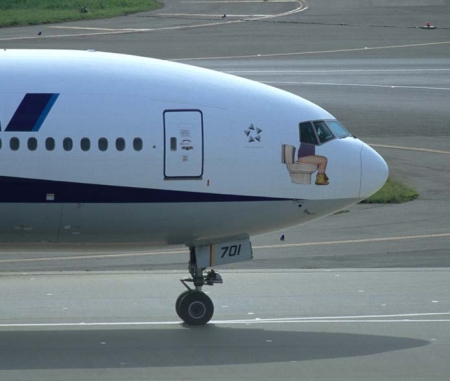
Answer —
393 192
34 12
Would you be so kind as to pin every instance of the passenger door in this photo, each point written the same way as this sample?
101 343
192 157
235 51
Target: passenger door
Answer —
183 144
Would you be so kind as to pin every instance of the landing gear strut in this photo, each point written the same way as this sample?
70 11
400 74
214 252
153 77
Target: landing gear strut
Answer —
193 306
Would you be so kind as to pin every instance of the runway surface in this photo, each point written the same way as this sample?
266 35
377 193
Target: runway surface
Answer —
366 293
371 325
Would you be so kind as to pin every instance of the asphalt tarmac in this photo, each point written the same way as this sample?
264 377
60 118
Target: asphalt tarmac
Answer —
366 293
268 325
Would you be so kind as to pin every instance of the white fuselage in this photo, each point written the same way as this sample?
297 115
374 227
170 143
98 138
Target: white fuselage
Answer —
153 152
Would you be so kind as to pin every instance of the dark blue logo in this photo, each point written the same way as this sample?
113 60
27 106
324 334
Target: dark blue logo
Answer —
31 112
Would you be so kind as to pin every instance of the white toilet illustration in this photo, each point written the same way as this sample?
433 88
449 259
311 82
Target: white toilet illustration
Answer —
300 172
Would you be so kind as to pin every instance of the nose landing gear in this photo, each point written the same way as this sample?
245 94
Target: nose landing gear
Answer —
193 306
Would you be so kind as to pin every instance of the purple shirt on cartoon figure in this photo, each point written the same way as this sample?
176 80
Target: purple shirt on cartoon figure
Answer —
306 149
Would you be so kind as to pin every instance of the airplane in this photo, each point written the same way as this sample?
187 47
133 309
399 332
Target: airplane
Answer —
111 150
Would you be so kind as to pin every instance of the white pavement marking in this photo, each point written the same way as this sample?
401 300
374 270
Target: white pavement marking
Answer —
207 15
331 71
102 29
350 241
302 6
411 149
268 55
354 85
397 318
236 1
279 246
120 31
95 256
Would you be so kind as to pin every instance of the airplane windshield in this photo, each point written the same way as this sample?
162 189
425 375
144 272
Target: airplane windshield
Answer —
338 129
322 131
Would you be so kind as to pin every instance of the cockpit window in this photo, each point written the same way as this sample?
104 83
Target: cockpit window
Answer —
323 132
307 134
338 129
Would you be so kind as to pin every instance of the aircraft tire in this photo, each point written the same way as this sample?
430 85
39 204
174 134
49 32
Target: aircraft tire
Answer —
177 303
195 308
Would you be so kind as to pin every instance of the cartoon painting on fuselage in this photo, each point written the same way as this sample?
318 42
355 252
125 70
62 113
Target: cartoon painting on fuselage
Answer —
313 136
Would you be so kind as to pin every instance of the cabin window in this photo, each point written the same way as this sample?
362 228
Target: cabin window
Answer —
14 144
85 144
67 144
103 144
137 144
49 144
173 144
32 144
120 144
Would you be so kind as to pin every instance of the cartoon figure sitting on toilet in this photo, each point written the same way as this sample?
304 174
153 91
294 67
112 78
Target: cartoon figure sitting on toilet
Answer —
302 166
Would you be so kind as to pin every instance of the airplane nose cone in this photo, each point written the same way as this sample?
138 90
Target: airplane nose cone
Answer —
374 172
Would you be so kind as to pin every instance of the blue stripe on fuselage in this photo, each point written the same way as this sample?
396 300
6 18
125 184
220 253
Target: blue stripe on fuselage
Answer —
45 112
20 190
31 112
